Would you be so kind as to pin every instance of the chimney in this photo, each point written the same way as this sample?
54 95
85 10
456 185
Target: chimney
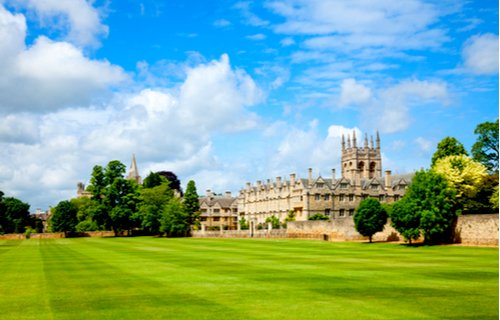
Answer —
292 180
259 183
228 194
388 179
310 176
333 176
278 182
209 193
248 186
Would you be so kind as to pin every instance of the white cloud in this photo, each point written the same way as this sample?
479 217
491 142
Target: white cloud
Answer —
480 54
353 93
391 107
424 144
350 25
221 23
78 19
56 150
257 37
288 41
47 75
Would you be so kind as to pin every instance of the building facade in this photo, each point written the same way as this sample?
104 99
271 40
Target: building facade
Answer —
218 211
337 198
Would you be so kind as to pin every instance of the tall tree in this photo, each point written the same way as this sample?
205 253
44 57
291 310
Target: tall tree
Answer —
64 217
449 146
485 150
122 198
114 170
174 221
153 180
430 201
153 203
370 217
97 183
192 203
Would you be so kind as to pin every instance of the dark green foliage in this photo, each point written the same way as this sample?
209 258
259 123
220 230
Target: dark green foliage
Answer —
481 201
429 207
318 216
485 150
151 207
174 220
275 222
14 215
449 146
64 217
153 180
175 183
370 217
406 219
192 203
97 183
113 171
243 224
122 196
86 225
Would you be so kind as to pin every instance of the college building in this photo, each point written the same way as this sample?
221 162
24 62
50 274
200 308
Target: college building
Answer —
336 197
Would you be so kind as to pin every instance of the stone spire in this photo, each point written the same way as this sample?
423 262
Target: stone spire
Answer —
343 142
366 140
354 139
378 140
133 173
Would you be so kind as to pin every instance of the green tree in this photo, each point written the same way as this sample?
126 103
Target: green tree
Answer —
275 222
174 221
153 202
485 150
494 198
153 180
430 202
370 217
192 203
114 170
64 217
243 223
406 219
318 216
97 183
449 146
123 198
14 215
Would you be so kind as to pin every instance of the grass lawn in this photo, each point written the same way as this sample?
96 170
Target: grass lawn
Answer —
158 278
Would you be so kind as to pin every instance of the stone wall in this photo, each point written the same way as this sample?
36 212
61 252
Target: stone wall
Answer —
477 229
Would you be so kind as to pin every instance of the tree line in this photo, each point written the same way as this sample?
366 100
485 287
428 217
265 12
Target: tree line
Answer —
455 184
122 205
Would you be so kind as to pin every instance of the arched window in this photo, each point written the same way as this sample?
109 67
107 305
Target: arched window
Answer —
373 167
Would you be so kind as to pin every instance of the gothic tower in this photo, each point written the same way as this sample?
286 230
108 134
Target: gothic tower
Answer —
361 162
133 173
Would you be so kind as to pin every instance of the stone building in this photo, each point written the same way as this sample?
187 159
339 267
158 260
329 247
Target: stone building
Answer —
218 211
336 197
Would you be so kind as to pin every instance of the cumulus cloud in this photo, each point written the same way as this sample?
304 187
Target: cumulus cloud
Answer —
353 93
77 19
480 54
47 75
167 128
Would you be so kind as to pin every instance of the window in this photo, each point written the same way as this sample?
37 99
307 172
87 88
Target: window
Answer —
317 197
203 218
396 197
343 186
327 212
381 197
320 185
216 218
342 213
216 210
327 197
374 186
203 211
351 197
341 197
351 212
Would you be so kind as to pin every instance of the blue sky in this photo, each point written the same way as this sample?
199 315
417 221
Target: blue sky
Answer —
225 92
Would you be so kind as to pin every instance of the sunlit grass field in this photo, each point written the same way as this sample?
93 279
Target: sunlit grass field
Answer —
187 278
